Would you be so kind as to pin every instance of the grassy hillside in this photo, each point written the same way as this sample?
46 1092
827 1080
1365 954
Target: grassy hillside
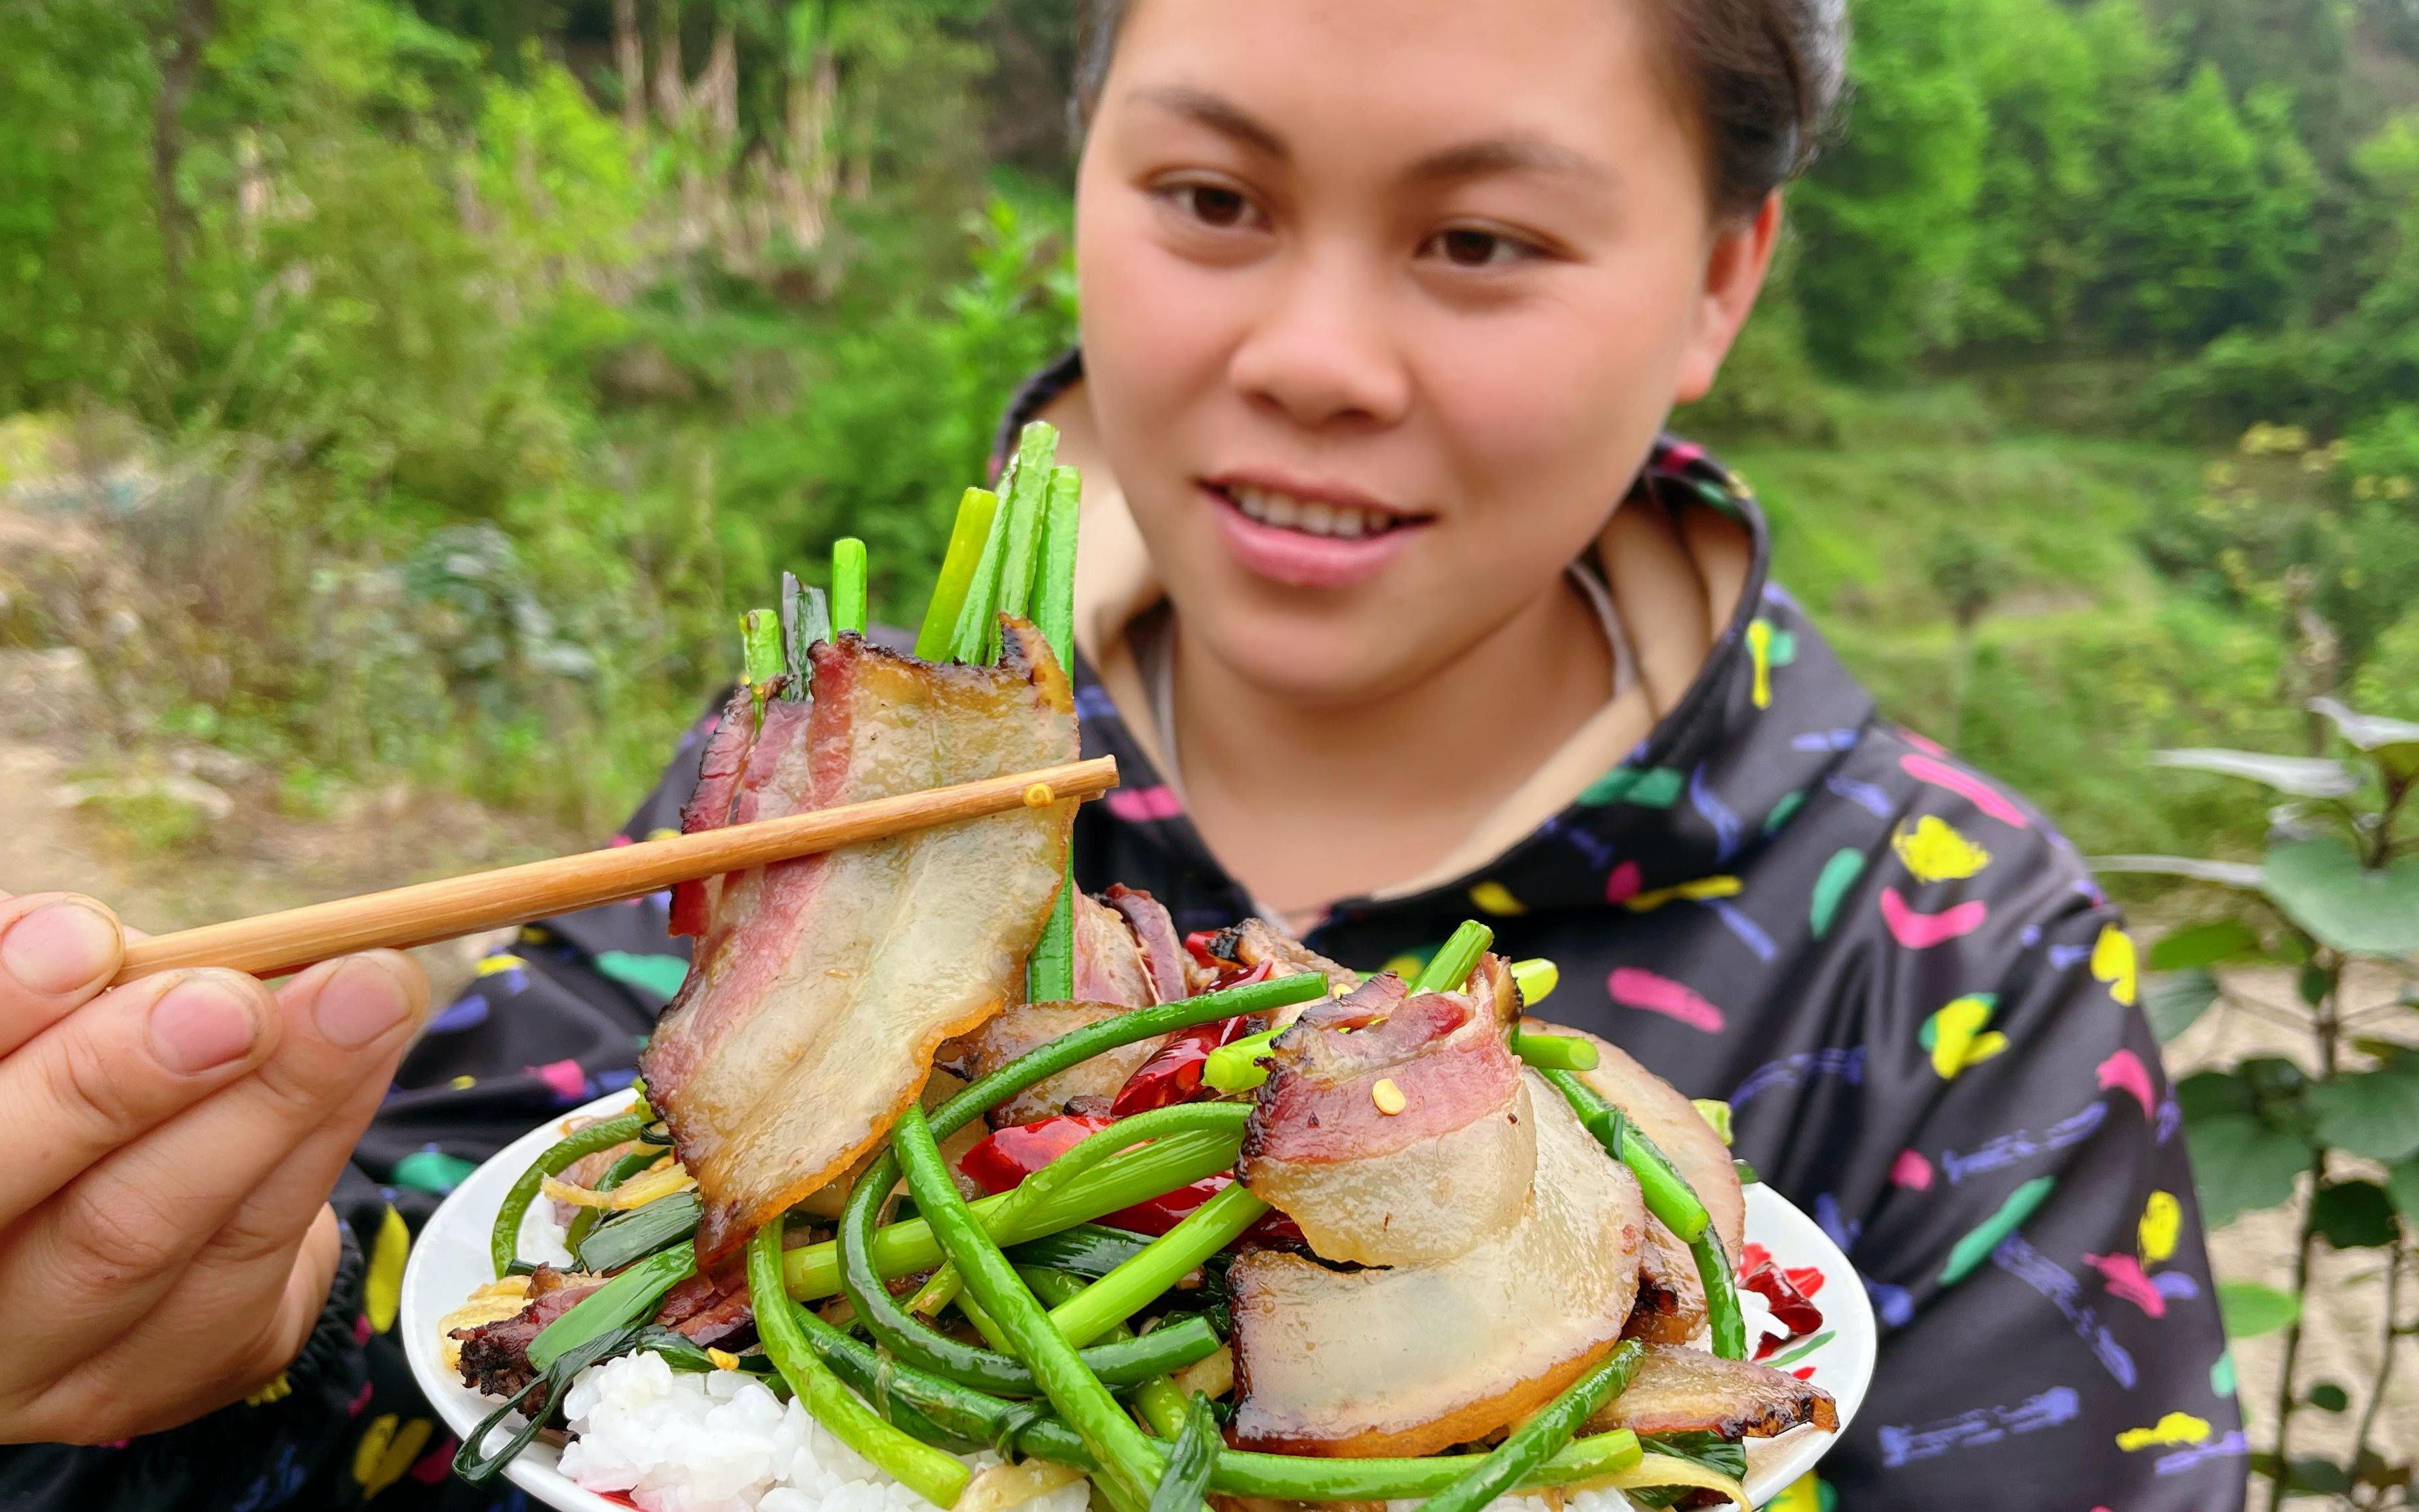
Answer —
2079 659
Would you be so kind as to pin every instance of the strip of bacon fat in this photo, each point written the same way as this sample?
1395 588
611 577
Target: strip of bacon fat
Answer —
1672 1301
1664 1114
1405 1142
823 985
1408 1360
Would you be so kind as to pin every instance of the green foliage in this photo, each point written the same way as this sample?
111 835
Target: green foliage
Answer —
2288 528
1888 223
2250 1310
2208 230
2338 896
2044 80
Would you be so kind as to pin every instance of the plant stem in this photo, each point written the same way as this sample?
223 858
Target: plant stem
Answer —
1116 1446
934 1475
2278 1489
965 550
1554 1052
847 585
1140 1281
1668 1194
1455 960
2324 1025
2385 1359
1050 972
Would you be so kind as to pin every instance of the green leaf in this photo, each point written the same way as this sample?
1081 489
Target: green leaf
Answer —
2242 1166
2251 1309
2392 743
2224 874
2373 1114
2328 1398
2305 776
2317 1477
2173 1000
2320 884
2276 1087
2214 1094
2202 945
2402 1185
2353 1215
2393 1054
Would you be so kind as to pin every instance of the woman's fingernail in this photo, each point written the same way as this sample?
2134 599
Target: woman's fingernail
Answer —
59 947
203 1022
360 1002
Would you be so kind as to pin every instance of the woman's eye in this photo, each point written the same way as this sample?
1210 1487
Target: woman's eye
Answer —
1471 247
1212 205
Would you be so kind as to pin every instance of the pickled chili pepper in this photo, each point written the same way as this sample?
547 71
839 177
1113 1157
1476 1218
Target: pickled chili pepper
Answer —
1006 1156
1173 1075
1788 1292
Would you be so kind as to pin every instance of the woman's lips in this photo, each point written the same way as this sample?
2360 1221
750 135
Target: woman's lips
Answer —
1301 560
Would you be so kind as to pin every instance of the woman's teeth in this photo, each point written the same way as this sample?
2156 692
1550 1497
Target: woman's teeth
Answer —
1311 516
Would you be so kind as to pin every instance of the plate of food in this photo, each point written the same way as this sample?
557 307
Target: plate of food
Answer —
946 1182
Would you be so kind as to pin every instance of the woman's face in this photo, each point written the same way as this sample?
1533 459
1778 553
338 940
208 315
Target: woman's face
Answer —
1383 301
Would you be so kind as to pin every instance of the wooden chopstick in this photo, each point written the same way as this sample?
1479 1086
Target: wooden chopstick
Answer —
270 945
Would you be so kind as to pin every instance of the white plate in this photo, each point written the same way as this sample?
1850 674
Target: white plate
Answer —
450 1260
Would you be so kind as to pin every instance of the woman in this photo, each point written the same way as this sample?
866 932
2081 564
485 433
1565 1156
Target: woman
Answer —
1397 607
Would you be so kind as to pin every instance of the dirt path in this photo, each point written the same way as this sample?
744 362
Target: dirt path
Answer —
169 850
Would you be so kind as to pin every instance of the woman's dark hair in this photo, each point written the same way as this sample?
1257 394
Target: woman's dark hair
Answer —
1767 76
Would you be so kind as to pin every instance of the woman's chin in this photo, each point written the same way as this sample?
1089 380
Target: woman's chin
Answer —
1323 667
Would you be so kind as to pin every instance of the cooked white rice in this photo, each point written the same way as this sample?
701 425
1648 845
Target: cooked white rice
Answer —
677 1441
542 1237
720 1441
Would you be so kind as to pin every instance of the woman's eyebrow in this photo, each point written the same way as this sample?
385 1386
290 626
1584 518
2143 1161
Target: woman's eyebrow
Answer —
1219 114
1507 155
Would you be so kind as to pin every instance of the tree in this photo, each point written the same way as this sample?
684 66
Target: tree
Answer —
2046 104
2206 227
1886 219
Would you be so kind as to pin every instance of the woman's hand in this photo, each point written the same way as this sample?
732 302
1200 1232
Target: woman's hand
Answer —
165 1239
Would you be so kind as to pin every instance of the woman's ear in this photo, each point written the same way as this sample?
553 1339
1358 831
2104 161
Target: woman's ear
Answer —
1740 255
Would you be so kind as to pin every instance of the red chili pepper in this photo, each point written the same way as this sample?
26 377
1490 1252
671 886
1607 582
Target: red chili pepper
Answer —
1231 973
1007 1156
1172 1074
1790 1304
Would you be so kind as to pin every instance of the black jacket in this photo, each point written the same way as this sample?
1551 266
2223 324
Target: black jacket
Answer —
1899 976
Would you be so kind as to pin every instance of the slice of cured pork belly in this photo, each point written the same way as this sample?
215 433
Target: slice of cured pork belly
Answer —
1672 1299
1681 1390
1127 956
1086 1087
1410 1359
1407 1141
824 985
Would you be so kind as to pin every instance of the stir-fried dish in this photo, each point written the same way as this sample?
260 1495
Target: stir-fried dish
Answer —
1192 1217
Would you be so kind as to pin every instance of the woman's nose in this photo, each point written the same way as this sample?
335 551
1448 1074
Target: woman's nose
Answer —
1321 353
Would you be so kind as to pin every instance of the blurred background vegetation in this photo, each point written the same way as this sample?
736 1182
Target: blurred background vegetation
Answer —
415 391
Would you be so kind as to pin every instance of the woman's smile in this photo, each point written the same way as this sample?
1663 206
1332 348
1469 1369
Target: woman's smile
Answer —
1306 535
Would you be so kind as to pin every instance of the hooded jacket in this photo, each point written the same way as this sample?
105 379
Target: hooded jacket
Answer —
1919 1006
